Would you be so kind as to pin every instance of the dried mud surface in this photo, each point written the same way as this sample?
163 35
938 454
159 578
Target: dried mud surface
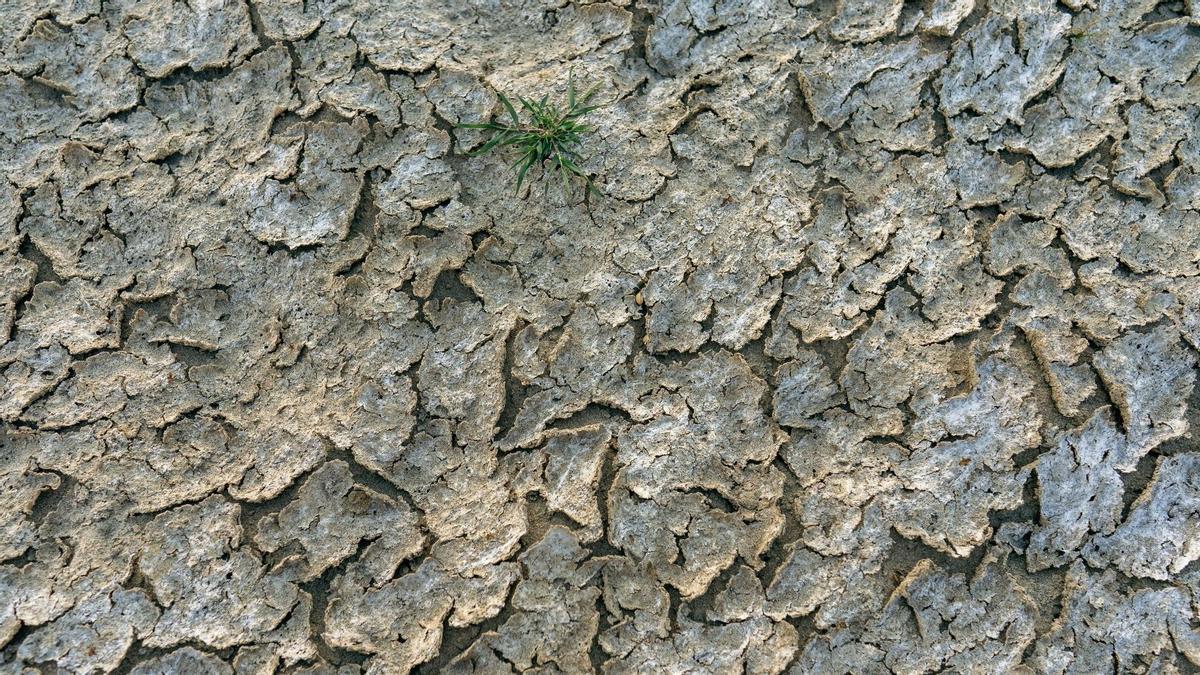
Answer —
878 353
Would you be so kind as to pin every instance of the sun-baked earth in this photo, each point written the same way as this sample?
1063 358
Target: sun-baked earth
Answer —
877 354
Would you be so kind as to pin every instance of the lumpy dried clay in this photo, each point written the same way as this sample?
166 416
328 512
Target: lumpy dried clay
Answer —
876 351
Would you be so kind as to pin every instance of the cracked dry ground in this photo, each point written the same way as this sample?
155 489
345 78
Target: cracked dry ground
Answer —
876 355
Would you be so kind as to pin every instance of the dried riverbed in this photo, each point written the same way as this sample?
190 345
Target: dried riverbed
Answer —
877 352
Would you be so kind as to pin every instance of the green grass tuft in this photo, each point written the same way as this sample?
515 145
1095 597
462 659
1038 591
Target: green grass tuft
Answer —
552 136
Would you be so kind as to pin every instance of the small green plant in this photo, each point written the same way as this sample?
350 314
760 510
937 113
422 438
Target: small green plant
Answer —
552 137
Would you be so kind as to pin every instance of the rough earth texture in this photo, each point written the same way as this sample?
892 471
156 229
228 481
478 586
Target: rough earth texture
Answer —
877 353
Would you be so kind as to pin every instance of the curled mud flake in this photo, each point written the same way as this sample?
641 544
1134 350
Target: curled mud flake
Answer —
86 63
164 37
1100 623
732 637
865 21
1002 63
1150 377
1085 106
400 622
318 205
183 660
945 16
460 377
21 485
329 518
963 464
803 389
1158 537
1080 488
96 634
213 589
937 619
554 618
366 92
842 545
683 500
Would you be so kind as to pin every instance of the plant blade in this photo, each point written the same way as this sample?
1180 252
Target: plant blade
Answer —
530 158
512 112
